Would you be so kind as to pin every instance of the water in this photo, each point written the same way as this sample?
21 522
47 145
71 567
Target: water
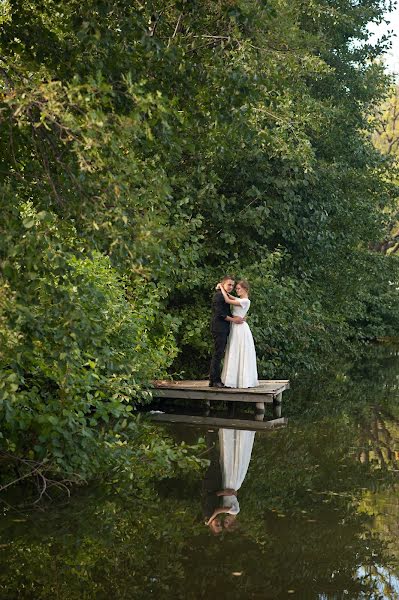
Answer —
319 513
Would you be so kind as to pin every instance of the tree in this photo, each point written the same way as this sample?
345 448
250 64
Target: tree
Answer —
386 139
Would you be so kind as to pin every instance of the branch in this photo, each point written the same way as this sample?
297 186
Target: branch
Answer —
177 25
15 481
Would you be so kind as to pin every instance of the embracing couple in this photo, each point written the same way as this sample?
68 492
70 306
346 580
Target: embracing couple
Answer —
232 337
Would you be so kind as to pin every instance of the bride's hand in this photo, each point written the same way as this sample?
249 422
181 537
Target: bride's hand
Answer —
219 285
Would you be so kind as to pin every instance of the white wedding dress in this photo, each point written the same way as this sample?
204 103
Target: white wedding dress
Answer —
239 367
235 455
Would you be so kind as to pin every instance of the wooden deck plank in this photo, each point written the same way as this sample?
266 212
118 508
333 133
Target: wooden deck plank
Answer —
267 391
220 422
268 386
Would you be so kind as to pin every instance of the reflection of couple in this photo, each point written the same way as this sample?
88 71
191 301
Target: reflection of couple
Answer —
232 337
225 476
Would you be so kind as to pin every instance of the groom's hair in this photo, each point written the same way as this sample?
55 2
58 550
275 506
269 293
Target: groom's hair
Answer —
226 278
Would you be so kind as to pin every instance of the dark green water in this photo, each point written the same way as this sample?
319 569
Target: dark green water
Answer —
319 514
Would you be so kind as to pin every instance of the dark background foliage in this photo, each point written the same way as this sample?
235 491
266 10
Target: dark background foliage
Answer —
148 148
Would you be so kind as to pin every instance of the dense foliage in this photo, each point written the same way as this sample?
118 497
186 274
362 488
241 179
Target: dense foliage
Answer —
385 123
146 149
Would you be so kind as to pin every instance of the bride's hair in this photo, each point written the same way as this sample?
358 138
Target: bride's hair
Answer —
244 284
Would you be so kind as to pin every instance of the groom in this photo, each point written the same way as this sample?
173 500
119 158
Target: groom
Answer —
220 328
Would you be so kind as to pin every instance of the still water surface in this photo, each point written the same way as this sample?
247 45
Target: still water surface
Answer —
319 512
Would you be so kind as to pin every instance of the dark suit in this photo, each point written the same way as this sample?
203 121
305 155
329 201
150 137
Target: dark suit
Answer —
212 481
220 331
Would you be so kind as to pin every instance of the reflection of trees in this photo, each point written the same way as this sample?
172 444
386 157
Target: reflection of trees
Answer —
301 530
379 439
317 519
349 386
97 548
383 508
382 582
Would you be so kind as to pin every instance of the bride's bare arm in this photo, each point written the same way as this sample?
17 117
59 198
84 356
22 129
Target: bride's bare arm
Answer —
227 492
227 298
216 512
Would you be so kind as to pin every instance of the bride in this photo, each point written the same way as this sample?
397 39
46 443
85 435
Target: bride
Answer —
239 368
235 455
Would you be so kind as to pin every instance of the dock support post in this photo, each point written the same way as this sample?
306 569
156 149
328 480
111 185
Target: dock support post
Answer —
260 407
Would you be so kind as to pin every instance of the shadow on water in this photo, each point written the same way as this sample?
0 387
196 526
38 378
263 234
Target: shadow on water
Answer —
318 511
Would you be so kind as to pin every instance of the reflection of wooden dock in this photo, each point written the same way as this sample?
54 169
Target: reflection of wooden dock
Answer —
268 391
231 423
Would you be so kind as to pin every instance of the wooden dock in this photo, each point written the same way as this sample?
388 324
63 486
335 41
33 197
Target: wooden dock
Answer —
268 391
231 423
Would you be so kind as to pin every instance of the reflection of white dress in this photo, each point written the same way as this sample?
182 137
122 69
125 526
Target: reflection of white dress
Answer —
239 367
235 454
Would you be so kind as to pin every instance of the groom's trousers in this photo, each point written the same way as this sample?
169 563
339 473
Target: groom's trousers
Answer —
219 346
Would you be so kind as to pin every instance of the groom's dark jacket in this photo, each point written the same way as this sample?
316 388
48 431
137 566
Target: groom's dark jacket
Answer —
220 310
